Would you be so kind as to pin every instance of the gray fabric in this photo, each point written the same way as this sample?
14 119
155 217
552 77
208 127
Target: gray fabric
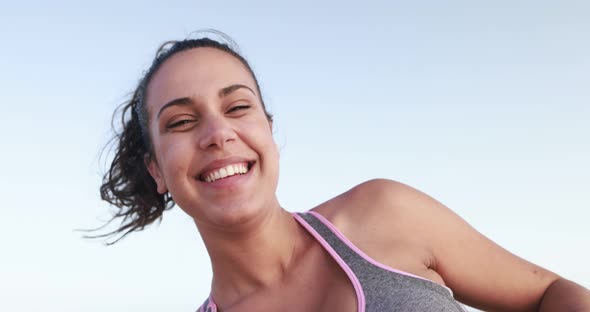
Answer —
386 290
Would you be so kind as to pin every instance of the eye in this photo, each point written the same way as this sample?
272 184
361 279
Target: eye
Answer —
238 108
181 123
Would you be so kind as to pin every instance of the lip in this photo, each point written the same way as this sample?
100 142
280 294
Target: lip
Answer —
220 163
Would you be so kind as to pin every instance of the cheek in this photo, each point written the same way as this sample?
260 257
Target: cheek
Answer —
270 150
265 141
176 161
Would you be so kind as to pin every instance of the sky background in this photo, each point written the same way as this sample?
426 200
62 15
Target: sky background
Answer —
483 105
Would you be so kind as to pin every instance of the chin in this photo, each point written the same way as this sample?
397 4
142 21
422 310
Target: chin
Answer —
231 217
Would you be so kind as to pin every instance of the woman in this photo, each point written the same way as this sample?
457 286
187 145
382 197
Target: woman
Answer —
196 133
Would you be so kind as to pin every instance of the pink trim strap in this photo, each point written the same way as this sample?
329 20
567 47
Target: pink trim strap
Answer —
364 255
360 296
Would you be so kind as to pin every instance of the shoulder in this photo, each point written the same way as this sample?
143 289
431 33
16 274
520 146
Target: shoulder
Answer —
390 212
388 220
363 196
380 202
385 211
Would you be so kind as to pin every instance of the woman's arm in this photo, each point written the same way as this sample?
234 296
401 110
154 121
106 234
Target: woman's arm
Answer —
480 272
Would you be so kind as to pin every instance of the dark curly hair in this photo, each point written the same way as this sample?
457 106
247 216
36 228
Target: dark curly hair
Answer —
127 184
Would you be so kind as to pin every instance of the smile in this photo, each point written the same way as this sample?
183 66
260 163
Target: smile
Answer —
226 171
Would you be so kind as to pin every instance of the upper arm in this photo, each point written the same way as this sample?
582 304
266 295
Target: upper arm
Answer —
480 272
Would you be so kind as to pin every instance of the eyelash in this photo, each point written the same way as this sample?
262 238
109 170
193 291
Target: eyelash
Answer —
237 108
179 123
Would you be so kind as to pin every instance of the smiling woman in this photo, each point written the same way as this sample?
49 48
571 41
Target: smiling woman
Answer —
197 133
127 184
204 118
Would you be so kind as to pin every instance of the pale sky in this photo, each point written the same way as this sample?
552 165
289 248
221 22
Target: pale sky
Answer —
482 105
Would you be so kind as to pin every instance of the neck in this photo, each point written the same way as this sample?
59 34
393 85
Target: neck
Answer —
255 257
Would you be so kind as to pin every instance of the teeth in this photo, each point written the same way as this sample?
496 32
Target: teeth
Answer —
226 171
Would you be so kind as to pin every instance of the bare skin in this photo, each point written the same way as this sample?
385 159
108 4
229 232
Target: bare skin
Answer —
205 114
380 217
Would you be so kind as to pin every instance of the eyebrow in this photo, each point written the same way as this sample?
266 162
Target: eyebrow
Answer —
229 89
185 101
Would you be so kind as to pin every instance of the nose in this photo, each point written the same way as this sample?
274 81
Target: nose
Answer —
217 131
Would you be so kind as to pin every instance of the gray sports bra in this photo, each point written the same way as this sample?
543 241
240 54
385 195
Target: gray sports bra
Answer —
378 287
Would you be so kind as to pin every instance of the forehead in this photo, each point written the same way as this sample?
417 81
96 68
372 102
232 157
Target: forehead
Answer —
195 73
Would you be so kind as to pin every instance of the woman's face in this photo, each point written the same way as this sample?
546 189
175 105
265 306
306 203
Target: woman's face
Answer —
213 145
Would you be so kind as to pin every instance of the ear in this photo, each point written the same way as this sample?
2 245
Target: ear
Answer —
152 166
